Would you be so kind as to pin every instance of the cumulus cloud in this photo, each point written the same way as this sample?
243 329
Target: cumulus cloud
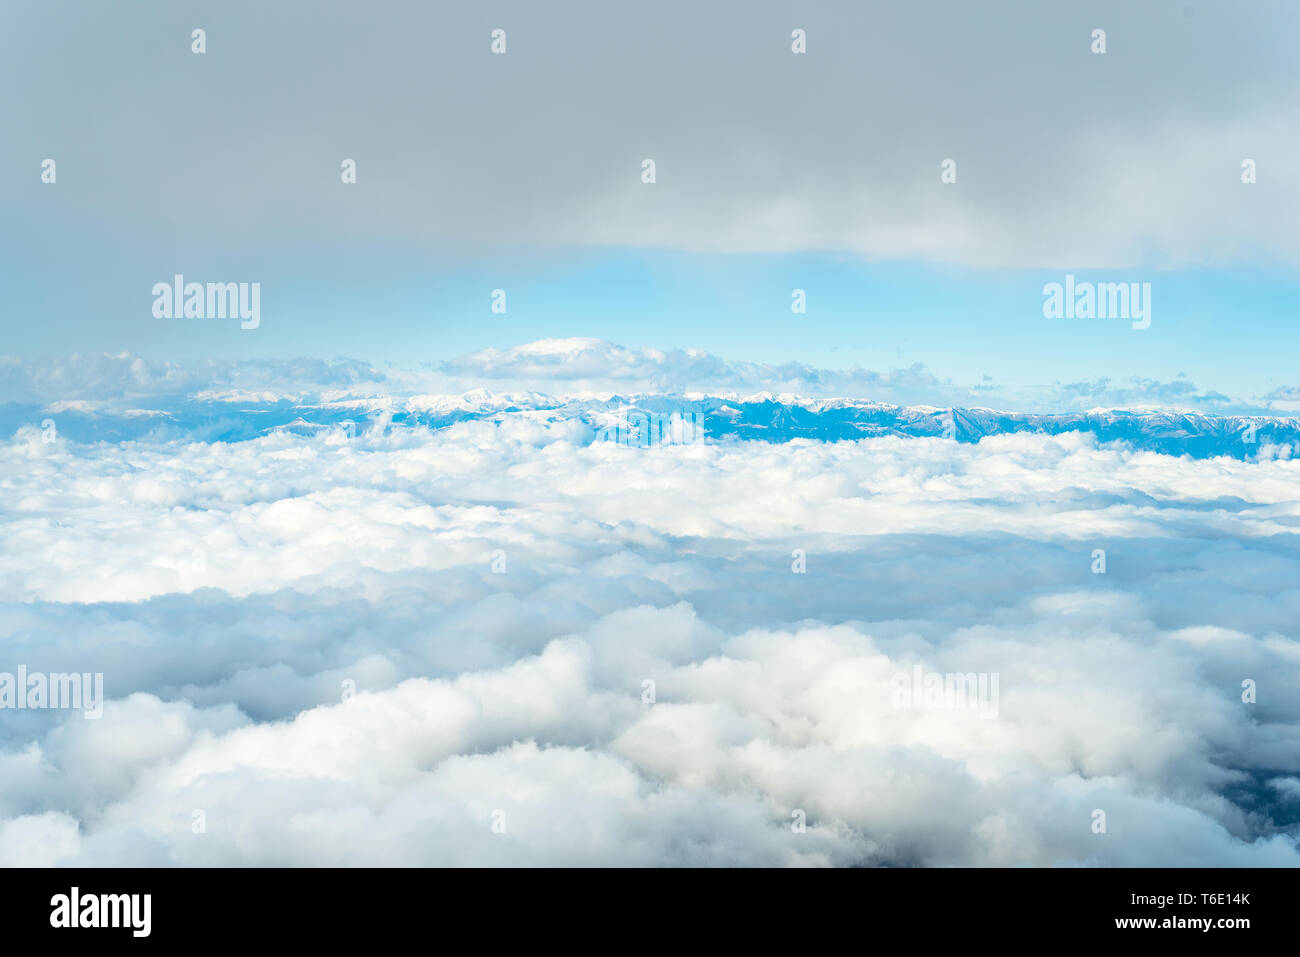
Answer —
606 652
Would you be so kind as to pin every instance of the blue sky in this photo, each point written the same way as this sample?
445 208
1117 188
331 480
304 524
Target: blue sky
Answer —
775 171
1229 329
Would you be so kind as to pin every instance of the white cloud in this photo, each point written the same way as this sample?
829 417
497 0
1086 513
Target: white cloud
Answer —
228 591
109 388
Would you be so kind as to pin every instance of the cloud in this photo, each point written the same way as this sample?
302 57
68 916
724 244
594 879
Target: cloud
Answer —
92 379
1065 158
542 373
233 593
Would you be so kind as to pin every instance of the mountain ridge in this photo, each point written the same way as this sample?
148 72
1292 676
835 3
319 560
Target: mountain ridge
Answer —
767 417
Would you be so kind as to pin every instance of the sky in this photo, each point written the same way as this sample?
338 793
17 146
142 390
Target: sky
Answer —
386 581
774 172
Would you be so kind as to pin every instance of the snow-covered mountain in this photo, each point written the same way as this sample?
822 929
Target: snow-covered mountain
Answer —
763 417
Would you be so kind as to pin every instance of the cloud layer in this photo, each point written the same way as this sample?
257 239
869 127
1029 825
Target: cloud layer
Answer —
500 592
556 368
1065 158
